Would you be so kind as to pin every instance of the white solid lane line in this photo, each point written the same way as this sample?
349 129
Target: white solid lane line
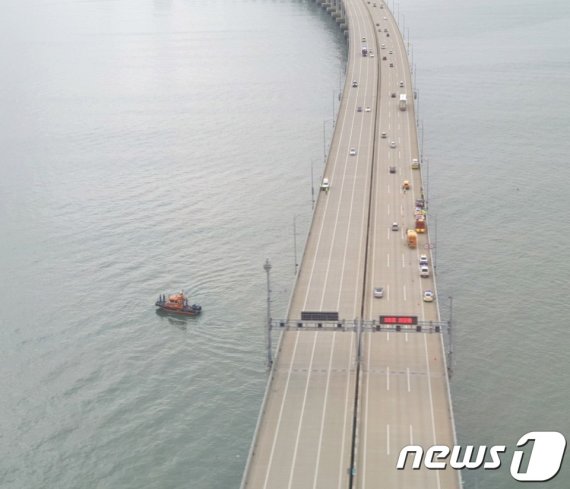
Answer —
294 460
269 462
324 412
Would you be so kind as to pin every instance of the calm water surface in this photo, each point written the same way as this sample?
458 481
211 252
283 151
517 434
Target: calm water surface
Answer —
149 147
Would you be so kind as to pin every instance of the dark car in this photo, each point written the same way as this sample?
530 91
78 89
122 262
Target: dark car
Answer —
392 169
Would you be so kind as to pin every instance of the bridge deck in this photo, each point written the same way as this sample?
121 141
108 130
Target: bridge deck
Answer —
305 437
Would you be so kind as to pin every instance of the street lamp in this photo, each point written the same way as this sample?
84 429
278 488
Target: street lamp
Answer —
267 268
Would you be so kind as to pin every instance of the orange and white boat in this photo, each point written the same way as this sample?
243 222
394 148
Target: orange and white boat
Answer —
177 304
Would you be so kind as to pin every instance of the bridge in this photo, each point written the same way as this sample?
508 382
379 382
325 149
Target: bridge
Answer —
358 377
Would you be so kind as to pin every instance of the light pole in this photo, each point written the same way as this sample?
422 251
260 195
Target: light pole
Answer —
312 187
267 268
333 117
450 327
295 241
324 144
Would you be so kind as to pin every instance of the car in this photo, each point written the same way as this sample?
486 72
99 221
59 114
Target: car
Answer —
393 95
395 226
384 58
354 83
377 24
363 39
381 6
383 135
415 164
352 152
387 34
392 169
385 30
424 271
378 292
429 296
406 185
390 52
367 109
383 46
391 66
359 109
325 185
423 260
371 54
392 144
385 18
374 5
401 84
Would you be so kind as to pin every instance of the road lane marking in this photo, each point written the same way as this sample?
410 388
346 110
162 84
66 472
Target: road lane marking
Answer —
346 398
388 260
405 293
324 412
303 405
406 336
431 403
269 462
365 416
403 261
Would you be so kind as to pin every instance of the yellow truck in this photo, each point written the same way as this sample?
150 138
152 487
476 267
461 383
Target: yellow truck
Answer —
412 237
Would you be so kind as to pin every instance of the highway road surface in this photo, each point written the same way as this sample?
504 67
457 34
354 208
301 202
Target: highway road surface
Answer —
333 419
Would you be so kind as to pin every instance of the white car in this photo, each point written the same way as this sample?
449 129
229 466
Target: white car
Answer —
378 292
352 152
363 39
354 83
367 109
371 54
392 144
429 296
395 226
401 84
325 185
383 135
423 260
424 271
390 52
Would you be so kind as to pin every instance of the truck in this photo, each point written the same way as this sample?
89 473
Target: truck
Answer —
403 101
420 224
412 238
364 51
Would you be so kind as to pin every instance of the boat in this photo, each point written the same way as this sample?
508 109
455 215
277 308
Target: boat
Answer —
177 304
